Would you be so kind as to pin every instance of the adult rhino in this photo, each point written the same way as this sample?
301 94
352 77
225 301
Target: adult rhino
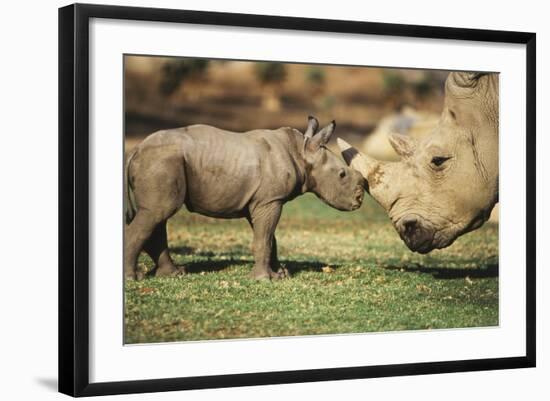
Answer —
225 174
446 184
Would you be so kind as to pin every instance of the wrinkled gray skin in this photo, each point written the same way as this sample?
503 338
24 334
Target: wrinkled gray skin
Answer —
446 184
224 174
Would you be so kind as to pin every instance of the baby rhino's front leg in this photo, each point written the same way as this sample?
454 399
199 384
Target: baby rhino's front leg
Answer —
263 220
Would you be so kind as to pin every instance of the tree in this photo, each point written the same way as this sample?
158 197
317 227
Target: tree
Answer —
271 76
176 71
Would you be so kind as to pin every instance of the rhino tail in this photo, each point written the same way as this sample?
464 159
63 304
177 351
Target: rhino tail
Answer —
130 202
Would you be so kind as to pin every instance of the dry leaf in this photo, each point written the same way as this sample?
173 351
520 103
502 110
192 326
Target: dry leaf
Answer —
423 288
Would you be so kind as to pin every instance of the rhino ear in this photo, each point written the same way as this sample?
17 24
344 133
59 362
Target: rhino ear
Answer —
323 136
312 125
403 145
465 79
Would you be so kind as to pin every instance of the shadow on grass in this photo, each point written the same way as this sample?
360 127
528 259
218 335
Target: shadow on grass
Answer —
294 266
212 265
217 265
449 273
182 250
222 260
187 250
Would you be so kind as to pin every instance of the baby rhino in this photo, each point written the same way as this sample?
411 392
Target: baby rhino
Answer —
225 174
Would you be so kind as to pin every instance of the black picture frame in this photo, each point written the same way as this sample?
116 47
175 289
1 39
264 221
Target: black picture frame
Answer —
74 198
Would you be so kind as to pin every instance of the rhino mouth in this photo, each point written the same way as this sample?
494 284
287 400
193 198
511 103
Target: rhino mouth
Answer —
416 232
344 201
422 248
421 236
359 196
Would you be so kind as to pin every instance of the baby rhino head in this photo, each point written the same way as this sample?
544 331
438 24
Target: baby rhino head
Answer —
327 175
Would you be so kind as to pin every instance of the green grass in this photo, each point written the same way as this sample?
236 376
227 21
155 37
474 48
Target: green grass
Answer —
350 273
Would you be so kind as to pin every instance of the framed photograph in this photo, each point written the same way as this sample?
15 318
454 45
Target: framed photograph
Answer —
251 199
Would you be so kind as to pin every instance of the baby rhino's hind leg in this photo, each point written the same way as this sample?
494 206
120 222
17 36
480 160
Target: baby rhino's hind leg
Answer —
159 190
135 235
157 248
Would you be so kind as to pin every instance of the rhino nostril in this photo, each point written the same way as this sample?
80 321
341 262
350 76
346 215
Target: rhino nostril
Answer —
409 226
416 235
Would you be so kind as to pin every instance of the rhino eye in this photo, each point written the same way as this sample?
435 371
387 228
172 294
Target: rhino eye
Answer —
439 160
342 173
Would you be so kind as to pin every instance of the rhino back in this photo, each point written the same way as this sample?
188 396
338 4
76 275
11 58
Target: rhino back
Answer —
222 170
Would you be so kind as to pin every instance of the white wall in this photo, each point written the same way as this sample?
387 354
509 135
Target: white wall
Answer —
28 171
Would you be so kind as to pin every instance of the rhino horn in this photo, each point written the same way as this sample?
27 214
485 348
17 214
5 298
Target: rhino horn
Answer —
366 165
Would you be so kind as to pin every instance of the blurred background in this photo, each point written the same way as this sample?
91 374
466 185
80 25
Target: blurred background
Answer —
162 92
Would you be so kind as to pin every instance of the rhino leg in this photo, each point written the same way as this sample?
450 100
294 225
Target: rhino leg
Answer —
275 264
264 220
157 248
159 189
274 260
135 236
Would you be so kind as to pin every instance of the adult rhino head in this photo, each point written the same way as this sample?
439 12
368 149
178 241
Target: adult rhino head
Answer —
446 184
